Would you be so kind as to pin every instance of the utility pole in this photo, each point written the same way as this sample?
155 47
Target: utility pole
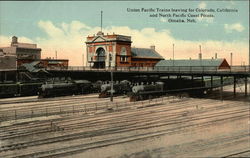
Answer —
101 21
111 76
56 54
231 59
173 54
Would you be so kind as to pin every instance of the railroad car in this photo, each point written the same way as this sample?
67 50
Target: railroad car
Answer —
13 89
8 90
118 89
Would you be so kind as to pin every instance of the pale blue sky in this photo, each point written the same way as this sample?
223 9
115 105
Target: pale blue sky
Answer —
21 18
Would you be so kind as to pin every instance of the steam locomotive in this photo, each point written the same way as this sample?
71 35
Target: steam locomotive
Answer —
63 88
187 86
118 89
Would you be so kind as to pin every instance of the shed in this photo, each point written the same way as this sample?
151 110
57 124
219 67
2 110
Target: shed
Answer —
208 64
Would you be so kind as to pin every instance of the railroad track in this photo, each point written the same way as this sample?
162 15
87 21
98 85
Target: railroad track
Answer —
156 121
54 101
62 123
116 123
36 99
245 153
170 107
60 107
83 147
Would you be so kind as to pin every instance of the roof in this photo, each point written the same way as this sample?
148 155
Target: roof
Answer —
145 52
32 67
191 62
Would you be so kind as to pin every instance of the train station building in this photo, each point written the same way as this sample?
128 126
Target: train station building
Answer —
115 50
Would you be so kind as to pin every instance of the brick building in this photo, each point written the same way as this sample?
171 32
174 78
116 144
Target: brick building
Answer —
115 50
17 54
24 52
7 61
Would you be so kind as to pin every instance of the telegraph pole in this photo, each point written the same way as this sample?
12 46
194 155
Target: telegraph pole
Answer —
231 59
101 21
111 76
112 88
173 54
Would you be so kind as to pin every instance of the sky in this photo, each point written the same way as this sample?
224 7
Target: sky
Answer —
63 26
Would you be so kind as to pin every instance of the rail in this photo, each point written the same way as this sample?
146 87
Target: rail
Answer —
91 108
174 69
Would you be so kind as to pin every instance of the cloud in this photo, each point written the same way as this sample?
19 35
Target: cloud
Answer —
202 5
68 39
163 19
233 27
6 40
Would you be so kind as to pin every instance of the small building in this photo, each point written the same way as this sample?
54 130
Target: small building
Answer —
7 61
115 50
55 63
196 64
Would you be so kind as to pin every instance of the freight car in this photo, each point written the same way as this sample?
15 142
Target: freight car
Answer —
64 88
118 89
192 88
13 89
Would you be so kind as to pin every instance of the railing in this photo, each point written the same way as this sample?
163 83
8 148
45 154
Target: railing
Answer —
175 69
87 108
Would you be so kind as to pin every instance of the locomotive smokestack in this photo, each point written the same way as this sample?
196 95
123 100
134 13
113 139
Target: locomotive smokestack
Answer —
14 40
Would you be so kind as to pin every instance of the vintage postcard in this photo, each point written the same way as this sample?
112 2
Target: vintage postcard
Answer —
124 79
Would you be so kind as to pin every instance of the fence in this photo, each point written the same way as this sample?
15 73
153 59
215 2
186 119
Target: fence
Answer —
77 109
180 69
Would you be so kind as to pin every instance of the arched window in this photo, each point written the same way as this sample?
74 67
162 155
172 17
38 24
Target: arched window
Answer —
100 58
100 54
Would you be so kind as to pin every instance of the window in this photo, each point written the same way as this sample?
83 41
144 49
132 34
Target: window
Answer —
123 55
124 58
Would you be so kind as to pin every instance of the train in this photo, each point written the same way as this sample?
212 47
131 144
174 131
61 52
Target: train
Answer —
64 88
119 88
14 89
185 86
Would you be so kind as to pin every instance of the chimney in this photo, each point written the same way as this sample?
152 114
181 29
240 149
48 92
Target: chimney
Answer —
14 40
152 47
215 56
200 56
